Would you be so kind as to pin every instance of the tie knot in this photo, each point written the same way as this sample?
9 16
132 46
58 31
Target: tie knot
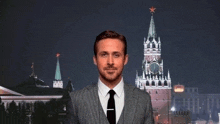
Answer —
111 92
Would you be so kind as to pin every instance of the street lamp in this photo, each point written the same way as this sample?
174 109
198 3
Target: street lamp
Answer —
173 109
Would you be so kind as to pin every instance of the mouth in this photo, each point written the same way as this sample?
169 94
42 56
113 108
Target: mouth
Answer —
110 71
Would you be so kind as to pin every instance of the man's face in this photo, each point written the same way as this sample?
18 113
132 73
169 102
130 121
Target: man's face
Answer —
110 59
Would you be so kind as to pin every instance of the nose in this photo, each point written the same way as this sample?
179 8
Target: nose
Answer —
110 60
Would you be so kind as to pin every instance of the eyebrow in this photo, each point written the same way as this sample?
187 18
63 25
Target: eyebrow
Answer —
108 52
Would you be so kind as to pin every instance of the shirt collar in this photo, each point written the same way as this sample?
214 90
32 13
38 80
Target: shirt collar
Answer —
103 89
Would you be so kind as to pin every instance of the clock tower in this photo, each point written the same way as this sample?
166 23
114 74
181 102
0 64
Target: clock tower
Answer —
152 79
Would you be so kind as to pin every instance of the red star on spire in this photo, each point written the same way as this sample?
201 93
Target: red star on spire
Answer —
57 55
152 9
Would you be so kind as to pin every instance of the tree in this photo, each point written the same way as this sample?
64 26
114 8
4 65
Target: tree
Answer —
23 118
39 116
2 112
13 113
53 111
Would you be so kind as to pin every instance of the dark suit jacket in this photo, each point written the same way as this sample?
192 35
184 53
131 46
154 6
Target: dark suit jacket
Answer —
85 107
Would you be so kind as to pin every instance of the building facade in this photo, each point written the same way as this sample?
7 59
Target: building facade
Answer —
34 90
202 106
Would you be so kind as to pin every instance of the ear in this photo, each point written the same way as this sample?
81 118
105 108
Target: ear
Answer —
94 60
126 59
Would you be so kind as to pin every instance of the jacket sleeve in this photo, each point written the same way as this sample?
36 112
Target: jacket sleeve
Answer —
149 119
71 113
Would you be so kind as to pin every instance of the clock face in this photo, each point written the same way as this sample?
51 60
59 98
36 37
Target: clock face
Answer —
154 67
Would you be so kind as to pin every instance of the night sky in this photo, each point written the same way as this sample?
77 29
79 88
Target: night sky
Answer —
35 30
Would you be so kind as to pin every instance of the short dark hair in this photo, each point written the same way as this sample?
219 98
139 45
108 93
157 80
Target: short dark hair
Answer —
110 34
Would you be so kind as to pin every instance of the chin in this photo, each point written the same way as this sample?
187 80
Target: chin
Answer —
112 78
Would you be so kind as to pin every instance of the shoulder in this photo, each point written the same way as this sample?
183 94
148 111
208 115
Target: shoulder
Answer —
83 92
137 92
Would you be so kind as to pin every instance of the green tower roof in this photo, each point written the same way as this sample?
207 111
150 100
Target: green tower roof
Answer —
57 73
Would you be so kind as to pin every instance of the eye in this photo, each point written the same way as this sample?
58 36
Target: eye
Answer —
116 55
103 54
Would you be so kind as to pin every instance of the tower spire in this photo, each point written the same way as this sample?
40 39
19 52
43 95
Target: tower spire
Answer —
58 83
143 75
168 75
136 74
152 31
32 67
57 73
33 74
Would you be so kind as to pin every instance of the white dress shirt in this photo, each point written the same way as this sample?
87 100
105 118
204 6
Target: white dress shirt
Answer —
119 97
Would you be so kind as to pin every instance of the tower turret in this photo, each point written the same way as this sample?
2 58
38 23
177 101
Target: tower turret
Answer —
58 83
69 86
143 75
159 42
33 74
168 75
136 74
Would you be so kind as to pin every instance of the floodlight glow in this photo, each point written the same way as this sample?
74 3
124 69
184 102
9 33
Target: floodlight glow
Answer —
173 109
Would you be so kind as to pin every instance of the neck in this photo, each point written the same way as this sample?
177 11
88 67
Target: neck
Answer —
111 84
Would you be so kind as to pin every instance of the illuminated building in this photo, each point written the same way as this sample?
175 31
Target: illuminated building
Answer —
178 88
203 107
34 89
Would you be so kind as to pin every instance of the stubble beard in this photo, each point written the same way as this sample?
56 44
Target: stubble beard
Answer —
111 76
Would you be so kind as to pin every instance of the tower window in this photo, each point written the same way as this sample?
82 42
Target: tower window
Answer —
147 83
159 83
153 45
153 83
165 83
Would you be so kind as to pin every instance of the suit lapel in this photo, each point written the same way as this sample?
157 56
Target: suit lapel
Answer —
98 115
92 102
129 105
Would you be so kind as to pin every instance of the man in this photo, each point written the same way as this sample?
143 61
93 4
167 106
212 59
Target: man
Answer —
110 100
